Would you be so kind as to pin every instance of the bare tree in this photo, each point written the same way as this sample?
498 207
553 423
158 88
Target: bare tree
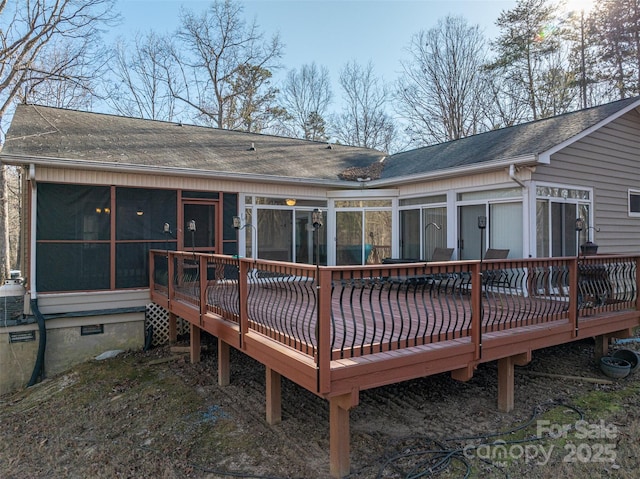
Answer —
48 41
221 62
364 120
557 90
14 195
138 88
46 47
63 76
306 95
440 94
503 103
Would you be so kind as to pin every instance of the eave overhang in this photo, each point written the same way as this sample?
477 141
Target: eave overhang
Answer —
128 168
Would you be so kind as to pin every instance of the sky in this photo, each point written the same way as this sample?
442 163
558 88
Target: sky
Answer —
329 32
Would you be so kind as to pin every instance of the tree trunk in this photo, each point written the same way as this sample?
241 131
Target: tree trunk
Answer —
4 228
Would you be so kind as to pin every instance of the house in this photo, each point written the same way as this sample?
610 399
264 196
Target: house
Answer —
101 191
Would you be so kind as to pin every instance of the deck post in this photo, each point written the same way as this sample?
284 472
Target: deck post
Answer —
274 397
170 275
243 291
339 435
637 283
506 394
602 341
476 310
223 363
173 328
323 331
195 343
204 280
573 296
601 346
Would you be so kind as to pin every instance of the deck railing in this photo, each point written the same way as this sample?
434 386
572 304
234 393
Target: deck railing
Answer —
349 311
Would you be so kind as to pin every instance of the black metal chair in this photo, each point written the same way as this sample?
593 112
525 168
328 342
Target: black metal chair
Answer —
439 255
494 277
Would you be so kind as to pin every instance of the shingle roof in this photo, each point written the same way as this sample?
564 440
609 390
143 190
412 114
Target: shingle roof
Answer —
46 132
526 139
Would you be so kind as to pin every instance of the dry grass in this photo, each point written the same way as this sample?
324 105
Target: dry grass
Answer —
135 416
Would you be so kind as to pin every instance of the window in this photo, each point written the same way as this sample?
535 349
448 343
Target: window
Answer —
419 238
506 227
363 231
634 202
425 200
73 231
77 249
557 208
490 194
281 228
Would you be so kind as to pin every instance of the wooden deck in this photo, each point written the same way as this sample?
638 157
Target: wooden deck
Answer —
339 330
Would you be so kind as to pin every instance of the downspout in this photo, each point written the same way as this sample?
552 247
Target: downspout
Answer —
38 369
32 227
512 175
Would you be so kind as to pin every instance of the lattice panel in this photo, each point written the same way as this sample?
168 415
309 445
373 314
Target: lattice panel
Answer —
158 317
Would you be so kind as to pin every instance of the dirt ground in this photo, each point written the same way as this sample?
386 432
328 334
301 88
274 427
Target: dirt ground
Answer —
154 415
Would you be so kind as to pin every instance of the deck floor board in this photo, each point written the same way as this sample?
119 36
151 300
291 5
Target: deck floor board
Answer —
367 321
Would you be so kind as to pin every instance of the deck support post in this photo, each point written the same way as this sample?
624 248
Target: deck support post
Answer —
339 435
506 379
224 374
173 328
274 397
194 344
522 359
506 388
601 346
463 374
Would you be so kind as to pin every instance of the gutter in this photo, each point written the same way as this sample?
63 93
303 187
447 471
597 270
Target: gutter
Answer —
457 171
261 178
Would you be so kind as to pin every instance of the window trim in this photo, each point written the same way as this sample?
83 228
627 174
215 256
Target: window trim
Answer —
630 192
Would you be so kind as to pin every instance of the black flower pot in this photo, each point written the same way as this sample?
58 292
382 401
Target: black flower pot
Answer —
615 367
589 248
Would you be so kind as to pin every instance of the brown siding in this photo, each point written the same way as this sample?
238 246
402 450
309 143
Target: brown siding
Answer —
607 160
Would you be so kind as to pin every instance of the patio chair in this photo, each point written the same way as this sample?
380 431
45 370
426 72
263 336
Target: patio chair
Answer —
442 254
439 255
495 276
494 253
